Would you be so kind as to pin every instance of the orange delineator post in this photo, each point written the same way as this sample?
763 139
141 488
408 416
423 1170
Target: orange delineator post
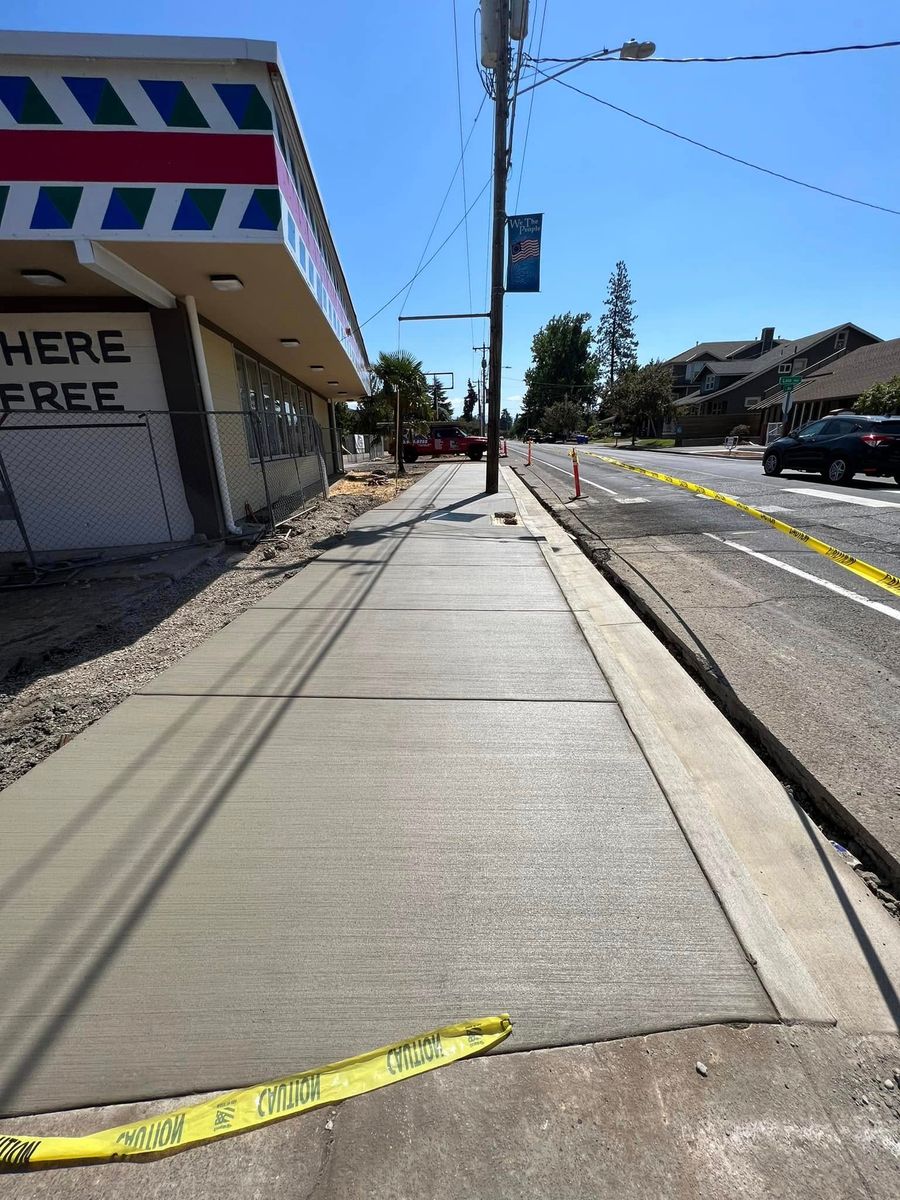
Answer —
528 464
574 454
503 453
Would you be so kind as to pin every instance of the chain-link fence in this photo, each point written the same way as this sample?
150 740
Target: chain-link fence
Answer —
363 447
84 484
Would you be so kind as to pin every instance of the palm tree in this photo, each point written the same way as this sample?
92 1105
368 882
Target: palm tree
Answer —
400 385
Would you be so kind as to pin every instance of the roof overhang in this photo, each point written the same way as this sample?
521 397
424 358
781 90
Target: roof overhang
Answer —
275 301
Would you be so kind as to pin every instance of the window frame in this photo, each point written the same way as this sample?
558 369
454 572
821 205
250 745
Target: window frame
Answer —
282 407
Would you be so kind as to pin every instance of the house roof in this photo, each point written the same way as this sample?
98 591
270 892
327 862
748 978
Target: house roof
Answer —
791 349
718 349
846 377
737 366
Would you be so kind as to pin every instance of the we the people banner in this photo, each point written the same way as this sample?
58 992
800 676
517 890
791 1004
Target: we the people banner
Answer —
523 261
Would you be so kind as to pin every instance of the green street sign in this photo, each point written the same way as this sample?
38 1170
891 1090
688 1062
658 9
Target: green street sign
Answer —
789 382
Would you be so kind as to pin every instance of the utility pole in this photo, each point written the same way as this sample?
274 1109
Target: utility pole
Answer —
482 390
498 247
398 447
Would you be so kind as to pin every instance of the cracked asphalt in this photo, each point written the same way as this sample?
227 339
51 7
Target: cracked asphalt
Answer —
765 616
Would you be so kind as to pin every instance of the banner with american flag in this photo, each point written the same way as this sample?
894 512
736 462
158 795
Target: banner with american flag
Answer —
523 261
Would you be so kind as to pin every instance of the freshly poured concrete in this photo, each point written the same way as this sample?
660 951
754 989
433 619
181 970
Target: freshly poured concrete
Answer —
266 861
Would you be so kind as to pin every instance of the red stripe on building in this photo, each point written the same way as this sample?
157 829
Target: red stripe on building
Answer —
111 156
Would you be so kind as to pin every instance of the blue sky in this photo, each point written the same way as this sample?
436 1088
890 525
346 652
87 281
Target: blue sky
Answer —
715 250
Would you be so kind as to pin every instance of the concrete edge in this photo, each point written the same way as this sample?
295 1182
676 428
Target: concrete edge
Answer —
773 872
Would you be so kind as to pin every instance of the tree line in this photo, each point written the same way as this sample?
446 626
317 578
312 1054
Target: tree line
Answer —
583 377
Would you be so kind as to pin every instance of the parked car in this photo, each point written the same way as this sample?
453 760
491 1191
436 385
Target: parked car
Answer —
550 437
838 448
532 435
443 438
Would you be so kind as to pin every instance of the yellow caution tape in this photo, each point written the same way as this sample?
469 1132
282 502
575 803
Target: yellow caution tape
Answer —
253 1107
883 579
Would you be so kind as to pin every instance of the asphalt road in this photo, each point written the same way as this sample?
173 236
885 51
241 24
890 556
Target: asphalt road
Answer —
809 648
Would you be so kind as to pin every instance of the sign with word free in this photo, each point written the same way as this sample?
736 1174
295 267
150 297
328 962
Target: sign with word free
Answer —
85 437
78 362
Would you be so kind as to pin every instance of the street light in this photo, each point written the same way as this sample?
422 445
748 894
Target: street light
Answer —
632 51
637 50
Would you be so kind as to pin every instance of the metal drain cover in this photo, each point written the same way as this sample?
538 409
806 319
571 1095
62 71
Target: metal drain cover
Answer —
506 518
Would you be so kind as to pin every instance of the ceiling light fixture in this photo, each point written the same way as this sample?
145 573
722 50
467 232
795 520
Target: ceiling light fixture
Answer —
290 342
43 278
333 382
316 367
226 283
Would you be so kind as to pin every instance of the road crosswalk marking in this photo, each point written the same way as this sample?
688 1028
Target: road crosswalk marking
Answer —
864 501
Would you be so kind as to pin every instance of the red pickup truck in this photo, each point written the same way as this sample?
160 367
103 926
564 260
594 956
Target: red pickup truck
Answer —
443 439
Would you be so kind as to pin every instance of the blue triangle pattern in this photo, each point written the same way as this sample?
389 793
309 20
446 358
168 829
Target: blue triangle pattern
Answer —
256 217
163 95
12 92
88 93
46 215
235 97
189 215
117 214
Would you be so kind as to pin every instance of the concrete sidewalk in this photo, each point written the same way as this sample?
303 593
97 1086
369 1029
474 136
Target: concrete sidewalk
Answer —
397 793
443 771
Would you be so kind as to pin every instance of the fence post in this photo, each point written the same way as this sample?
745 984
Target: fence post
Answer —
262 466
6 485
296 448
162 492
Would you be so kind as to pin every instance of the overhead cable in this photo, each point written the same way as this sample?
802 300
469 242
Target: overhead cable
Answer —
722 153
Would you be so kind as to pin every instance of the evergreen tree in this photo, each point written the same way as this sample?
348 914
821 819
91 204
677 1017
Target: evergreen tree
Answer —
441 408
470 404
616 339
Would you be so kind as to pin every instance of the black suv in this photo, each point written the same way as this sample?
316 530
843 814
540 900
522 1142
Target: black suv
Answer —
838 448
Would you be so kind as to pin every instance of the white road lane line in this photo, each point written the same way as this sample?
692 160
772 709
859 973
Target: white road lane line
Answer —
864 501
825 583
563 471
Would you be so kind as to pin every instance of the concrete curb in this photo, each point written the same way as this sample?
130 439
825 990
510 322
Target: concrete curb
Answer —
823 947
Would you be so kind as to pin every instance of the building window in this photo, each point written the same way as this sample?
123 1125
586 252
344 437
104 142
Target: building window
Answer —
715 408
784 368
840 342
274 408
709 383
692 370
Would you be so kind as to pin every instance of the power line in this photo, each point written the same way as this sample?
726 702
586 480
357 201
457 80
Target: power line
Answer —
443 203
731 57
422 266
462 160
722 153
530 108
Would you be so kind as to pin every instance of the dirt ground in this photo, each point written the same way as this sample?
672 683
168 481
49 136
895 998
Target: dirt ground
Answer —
71 652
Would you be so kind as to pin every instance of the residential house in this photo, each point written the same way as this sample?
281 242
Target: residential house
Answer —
729 391
838 384
687 365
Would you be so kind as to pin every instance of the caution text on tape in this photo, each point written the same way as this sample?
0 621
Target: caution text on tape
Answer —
261 1104
882 579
